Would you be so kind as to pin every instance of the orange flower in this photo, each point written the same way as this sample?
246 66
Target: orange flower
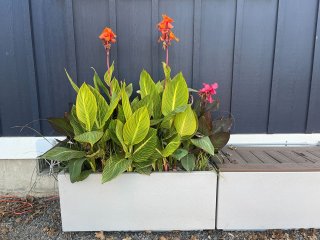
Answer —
165 27
107 37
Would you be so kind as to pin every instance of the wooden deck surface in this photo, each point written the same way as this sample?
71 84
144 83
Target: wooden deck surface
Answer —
268 159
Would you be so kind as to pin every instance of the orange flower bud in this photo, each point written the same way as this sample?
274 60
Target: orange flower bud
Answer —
107 36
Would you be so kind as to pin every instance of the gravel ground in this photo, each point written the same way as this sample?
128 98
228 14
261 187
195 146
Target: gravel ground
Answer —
44 222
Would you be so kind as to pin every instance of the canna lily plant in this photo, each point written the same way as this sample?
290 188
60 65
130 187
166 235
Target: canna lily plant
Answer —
108 131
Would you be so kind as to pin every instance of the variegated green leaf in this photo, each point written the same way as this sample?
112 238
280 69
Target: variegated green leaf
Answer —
119 133
137 127
175 94
75 87
146 148
108 75
62 154
102 108
113 105
75 123
171 147
186 122
74 167
86 106
147 85
114 167
126 104
89 137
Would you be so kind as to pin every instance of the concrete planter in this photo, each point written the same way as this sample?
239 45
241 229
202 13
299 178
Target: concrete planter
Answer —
268 200
134 202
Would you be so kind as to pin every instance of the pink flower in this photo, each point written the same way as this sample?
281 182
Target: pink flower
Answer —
208 91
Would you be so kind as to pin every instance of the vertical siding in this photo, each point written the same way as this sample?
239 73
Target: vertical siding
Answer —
264 54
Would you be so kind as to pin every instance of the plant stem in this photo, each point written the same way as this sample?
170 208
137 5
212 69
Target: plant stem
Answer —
167 55
108 56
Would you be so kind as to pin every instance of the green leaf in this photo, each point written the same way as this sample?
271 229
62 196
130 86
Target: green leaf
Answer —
119 134
102 108
115 87
175 94
188 162
114 167
75 87
167 120
146 148
76 125
126 105
75 166
108 75
179 153
186 122
171 147
104 139
61 125
62 154
147 85
112 107
89 137
120 113
86 106
137 127
144 170
204 143
166 70
145 102
112 132
129 89
98 83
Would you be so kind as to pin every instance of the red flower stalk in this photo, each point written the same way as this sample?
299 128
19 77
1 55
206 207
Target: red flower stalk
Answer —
107 37
167 35
208 91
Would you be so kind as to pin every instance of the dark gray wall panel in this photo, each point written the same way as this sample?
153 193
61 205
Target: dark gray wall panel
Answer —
253 60
313 124
216 47
180 53
54 51
134 43
292 65
18 92
90 18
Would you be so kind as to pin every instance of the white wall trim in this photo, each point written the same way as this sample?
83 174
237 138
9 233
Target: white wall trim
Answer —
31 147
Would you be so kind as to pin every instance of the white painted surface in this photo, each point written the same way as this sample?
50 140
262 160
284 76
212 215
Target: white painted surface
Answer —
133 202
274 139
268 200
31 147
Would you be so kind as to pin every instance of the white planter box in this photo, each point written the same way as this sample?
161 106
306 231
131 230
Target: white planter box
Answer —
268 200
133 202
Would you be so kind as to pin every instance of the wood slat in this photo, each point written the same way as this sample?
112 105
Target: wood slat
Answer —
233 156
248 156
264 157
293 156
309 156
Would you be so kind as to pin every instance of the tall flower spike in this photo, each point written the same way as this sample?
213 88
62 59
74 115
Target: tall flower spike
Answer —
107 37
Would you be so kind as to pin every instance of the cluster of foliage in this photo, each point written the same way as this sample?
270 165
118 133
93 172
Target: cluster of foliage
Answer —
160 129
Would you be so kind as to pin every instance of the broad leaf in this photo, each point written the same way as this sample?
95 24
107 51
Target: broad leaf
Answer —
75 87
61 125
74 167
186 122
114 167
115 87
129 89
179 153
188 162
137 127
204 143
86 106
112 132
108 75
75 123
219 140
102 108
126 104
171 147
119 134
104 139
145 102
62 154
112 107
166 70
99 84
147 85
89 137
167 120
175 94
146 148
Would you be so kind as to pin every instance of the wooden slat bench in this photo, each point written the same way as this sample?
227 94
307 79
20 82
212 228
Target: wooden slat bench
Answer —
268 187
